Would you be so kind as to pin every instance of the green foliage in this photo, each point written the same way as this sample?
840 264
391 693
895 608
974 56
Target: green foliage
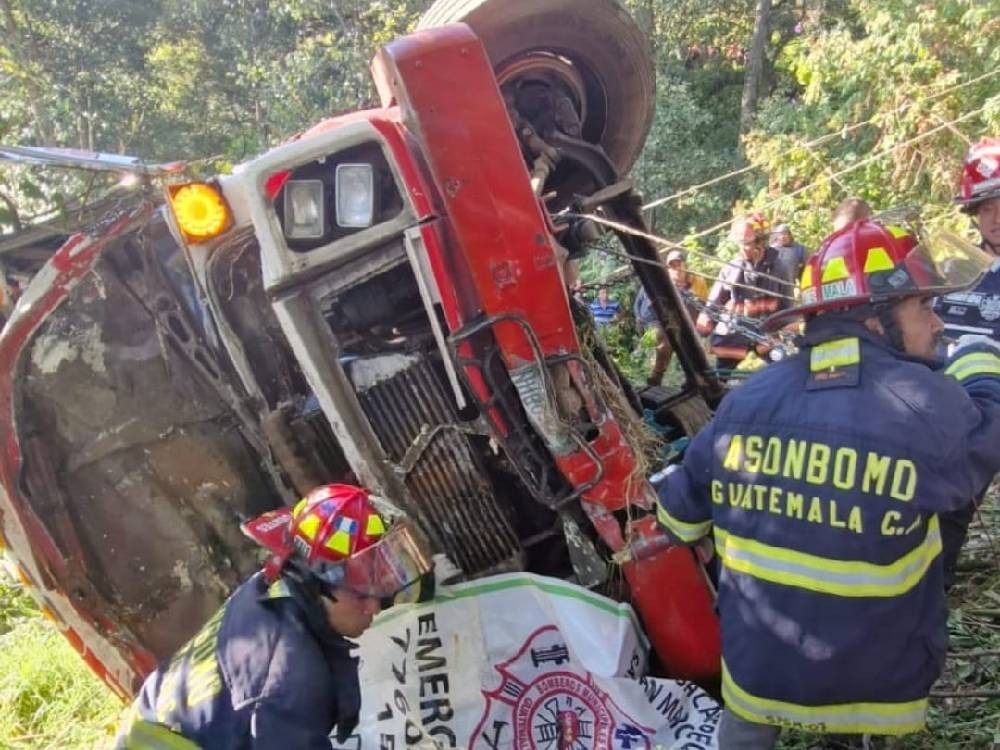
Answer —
694 139
173 80
48 697
900 71
15 605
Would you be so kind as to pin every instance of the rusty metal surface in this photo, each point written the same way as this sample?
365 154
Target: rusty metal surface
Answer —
133 459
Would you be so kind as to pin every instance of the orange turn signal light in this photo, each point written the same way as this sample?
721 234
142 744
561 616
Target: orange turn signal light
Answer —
200 210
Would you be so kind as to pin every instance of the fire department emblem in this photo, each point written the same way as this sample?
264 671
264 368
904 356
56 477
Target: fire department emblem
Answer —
544 703
989 307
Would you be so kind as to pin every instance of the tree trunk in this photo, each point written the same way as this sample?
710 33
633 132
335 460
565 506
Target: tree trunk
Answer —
755 66
15 218
645 15
21 44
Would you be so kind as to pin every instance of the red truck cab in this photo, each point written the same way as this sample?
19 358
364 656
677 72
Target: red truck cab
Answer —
383 299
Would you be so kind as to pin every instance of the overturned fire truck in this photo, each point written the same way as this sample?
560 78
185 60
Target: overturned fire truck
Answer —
383 299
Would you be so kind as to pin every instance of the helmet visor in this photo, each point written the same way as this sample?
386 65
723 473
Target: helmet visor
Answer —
941 262
390 565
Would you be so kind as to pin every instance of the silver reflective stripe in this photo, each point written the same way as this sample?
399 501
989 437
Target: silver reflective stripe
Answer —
836 577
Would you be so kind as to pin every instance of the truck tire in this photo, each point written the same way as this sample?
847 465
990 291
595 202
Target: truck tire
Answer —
598 37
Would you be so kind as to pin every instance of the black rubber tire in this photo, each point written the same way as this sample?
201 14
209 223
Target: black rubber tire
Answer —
601 39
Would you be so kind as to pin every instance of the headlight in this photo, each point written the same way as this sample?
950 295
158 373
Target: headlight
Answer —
304 215
355 195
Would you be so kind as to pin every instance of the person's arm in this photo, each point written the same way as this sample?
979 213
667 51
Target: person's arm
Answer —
975 366
717 297
299 702
683 509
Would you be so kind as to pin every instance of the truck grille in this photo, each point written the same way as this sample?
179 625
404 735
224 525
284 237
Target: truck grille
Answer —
403 394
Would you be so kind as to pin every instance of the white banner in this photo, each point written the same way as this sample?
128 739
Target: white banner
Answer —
520 661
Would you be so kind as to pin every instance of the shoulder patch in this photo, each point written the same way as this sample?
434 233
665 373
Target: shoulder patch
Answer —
835 364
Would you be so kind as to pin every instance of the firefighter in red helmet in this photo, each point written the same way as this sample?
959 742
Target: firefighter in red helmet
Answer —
273 668
822 479
979 190
977 310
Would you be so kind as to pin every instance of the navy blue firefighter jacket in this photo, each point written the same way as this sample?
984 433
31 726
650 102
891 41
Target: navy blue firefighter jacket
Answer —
821 478
264 673
975 310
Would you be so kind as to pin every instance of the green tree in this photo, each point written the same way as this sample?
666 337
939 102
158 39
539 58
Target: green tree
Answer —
900 95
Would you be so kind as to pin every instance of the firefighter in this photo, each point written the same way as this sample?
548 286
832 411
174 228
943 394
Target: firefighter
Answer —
273 668
752 285
979 192
977 310
823 476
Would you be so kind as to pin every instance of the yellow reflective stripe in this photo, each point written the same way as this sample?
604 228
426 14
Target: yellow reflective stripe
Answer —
834 270
807 277
686 532
309 526
840 718
826 575
975 363
979 370
878 260
278 590
838 353
145 735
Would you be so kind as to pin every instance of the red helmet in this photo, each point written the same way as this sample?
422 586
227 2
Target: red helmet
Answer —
748 228
980 178
337 535
867 262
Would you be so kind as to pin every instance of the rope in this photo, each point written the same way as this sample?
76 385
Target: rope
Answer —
817 141
826 177
626 229
653 238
